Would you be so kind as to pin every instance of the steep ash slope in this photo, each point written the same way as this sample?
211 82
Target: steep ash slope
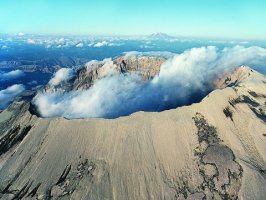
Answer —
215 149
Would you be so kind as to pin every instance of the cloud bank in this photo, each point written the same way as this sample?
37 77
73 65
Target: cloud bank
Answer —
104 43
183 79
11 75
7 95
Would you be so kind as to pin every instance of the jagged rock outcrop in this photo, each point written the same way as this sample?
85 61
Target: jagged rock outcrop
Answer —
146 67
215 149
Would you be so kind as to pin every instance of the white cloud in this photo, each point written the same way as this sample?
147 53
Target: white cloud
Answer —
4 47
183 79
101 44
21 34
95 62
7 95
11 75
115 44
79 45
105 43
31 41
61 40
63 74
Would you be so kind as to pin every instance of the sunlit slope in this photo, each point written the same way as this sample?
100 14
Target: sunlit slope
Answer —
214 149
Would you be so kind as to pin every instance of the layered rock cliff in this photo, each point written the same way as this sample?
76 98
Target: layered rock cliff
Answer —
146 67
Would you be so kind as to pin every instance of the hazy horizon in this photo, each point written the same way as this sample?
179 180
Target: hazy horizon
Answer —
241 19
129 36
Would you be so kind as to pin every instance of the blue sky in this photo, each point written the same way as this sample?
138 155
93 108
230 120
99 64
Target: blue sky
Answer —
202 18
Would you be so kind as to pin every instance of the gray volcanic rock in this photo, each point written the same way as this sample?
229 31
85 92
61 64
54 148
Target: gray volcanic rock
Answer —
215 149
86 77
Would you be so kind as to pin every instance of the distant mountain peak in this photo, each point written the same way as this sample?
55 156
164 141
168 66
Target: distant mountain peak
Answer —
160 36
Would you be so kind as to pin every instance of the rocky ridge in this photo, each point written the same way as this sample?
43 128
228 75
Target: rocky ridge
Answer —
146 67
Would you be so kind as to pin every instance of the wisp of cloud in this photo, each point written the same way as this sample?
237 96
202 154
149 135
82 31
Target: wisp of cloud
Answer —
8 94
61 75
183 79
11 75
